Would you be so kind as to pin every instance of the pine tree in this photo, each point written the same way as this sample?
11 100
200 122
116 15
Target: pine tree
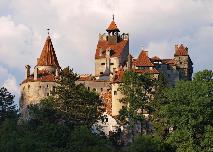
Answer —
7 106
75 102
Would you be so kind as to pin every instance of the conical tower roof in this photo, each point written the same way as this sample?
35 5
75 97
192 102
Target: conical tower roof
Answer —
112 26
48 56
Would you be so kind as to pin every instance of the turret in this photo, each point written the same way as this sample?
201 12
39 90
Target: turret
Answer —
113 31
41 82
183 62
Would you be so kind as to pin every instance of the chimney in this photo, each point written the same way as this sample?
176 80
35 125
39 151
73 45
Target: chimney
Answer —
176 48
27 71
129 63
35 73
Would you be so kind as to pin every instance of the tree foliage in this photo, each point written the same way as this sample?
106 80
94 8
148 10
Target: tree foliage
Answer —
75 102
186 111
47 131
137 93
149 144
7 106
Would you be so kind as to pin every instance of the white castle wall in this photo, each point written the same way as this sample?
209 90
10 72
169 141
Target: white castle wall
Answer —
33 92
114 63
116 96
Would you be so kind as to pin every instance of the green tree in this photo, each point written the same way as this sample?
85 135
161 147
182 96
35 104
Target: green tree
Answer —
75 102
7 106
137 89
46 132
186 112
149 144
9 136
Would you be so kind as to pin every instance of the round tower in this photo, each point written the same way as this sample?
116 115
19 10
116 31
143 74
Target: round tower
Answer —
39 83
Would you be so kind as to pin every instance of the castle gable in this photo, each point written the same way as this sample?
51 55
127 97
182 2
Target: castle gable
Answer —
103 46
143 60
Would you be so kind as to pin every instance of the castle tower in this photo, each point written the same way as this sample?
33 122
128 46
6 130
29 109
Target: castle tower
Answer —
112 51
183 62
39 84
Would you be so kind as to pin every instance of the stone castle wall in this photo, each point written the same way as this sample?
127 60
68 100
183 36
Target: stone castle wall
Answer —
33 92
98 86
116 96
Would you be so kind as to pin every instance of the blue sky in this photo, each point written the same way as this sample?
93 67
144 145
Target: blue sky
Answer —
155 25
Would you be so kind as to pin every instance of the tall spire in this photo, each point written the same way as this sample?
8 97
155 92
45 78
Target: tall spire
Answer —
48 56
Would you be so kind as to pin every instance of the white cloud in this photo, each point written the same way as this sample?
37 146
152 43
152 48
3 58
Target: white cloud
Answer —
156 24
15 43
8 81
11 85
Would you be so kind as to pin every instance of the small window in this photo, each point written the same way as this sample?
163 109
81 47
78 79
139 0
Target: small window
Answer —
101 89
28 86
94 89
88 88
101 73
48 94
47 86
102 63
115 92
111 63
106 119
40 87
53 88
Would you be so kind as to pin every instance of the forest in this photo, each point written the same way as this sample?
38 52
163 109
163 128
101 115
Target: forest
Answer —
180 116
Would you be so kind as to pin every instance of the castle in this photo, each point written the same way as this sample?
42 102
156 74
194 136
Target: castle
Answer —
112 58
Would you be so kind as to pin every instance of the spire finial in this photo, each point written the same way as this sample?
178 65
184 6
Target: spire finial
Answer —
48 31
113 17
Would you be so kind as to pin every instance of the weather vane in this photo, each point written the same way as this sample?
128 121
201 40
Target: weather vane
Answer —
113 17
48 31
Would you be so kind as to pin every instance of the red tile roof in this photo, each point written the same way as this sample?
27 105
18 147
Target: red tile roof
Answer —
143 60
181 50
118 75
86 78
107 100
48 56
104 45
43 76
155 58
169 61
153 71
112 27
